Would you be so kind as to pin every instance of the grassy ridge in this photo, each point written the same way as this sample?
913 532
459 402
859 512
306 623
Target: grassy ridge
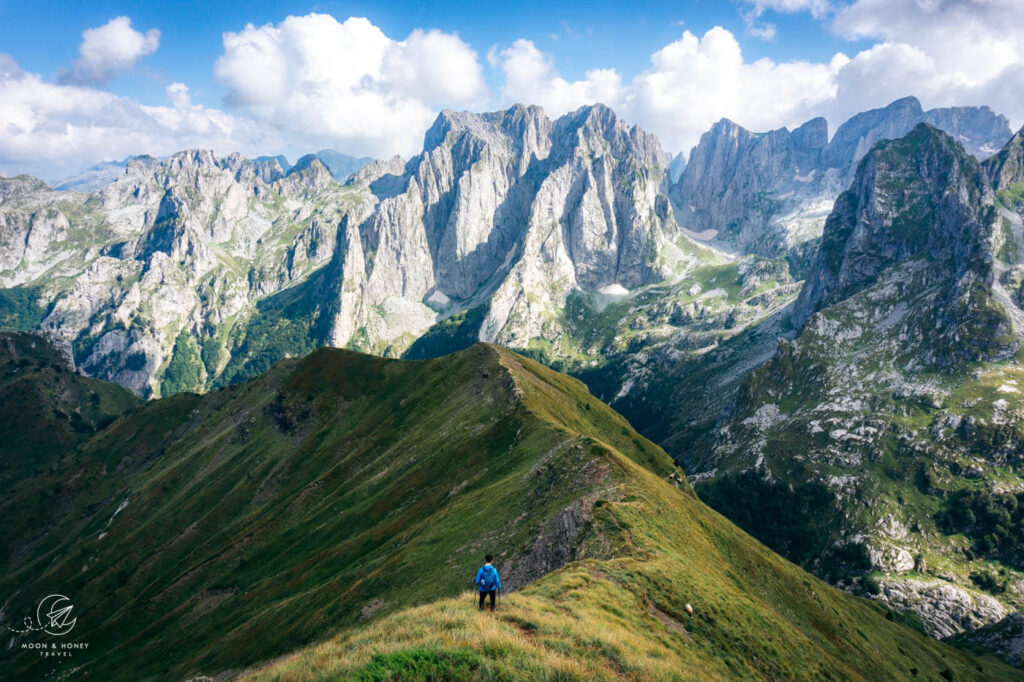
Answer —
200 533
755 616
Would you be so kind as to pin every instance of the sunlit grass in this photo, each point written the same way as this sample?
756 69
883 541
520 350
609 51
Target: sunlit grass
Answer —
755 617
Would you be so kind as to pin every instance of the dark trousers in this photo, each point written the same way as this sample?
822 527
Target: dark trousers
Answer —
485 594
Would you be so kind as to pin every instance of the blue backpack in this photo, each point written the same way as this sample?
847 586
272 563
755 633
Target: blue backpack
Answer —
487 579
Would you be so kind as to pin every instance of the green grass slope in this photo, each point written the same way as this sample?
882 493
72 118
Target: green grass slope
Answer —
197 534
755 616
201 533
46 412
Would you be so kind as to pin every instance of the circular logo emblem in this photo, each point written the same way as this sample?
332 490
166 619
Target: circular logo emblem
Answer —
54 615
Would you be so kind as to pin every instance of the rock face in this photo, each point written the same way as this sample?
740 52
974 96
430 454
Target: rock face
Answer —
981 131
768 193
194 270
510 210
1005 639
917 196
676 167
1006 168
945 609
737 182
900 395
184 244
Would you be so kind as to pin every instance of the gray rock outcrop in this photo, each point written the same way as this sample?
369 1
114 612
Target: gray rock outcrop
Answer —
767 193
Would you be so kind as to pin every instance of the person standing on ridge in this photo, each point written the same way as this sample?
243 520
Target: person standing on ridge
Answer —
487 581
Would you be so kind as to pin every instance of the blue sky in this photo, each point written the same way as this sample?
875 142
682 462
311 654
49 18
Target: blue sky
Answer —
580 35
164 76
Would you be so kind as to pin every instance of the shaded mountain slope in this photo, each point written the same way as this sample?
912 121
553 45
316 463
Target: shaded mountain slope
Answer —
46 412
196 534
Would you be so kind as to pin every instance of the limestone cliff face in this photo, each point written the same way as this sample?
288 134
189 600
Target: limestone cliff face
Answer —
1006 168
920 196
187 243
508 209
769 193
738 184
194 269
508 213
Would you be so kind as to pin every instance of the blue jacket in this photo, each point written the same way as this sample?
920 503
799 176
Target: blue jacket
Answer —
492 574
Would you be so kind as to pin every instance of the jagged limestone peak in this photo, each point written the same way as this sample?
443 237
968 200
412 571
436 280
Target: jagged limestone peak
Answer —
921 194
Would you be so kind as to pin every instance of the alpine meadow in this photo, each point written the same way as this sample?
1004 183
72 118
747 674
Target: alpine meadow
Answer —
693 331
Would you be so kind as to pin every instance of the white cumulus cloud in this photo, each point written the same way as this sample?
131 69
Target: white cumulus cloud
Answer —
347 84
312 81
945 52
691 83
53 130
694 81
108 50
531 77
303 84
948 52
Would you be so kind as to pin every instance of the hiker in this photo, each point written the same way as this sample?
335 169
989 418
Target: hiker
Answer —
487 581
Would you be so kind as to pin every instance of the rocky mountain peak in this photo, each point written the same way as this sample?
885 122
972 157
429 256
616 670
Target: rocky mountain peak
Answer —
724 135
192 159
309 162
269 169
596 129
598 119
979 129
310 172
859 134
779 186
20 184
455 123
1006 167
920 195
736 182
142 162
811 135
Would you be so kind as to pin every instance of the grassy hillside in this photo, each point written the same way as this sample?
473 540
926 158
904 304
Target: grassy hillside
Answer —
202 533
755 616
46 412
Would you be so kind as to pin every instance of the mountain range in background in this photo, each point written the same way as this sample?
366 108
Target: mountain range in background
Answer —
824 333
341 166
